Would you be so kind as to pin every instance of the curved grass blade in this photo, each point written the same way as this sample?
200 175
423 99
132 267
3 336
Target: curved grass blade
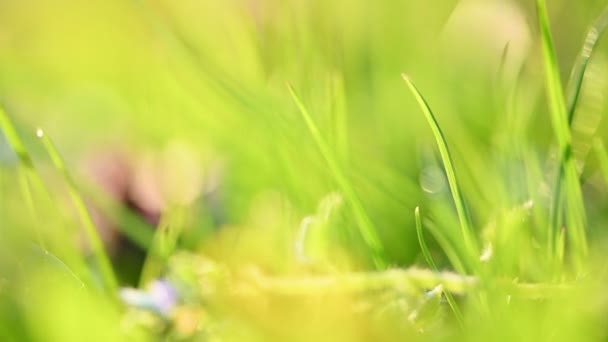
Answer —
423 247
58 263
575 83
31 183
574 88
465 224
22 153
429 260
575 211
29 177
366 227
101 257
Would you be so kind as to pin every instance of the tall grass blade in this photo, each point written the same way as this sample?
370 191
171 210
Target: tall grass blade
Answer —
574 88
465 224
101 257
429 259
31 183
575 211
366 227
29 177
423 247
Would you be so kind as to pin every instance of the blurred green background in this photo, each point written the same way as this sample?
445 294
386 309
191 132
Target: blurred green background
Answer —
192 95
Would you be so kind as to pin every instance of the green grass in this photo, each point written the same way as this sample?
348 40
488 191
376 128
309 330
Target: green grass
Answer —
29 174
164 245
431 263
101 257
366 227
574 88
463 217
297 223
575 209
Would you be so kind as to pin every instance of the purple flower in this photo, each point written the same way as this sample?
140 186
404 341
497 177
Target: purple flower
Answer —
164 295
160 297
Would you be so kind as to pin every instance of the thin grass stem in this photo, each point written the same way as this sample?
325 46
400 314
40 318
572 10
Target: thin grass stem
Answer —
429 259
575 211
101 257
366 227
465 224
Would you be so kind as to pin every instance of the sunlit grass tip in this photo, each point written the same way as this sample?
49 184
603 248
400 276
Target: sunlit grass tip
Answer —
465 224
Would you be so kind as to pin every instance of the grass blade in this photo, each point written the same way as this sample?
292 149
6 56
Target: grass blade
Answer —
429 260
100 255
575 212
575 83
574 88
14 140
366 227
465 224
31 183
29 177
423 247
58 263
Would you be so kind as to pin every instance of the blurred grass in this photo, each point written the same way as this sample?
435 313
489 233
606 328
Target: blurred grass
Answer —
194 94
575 210
461 209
